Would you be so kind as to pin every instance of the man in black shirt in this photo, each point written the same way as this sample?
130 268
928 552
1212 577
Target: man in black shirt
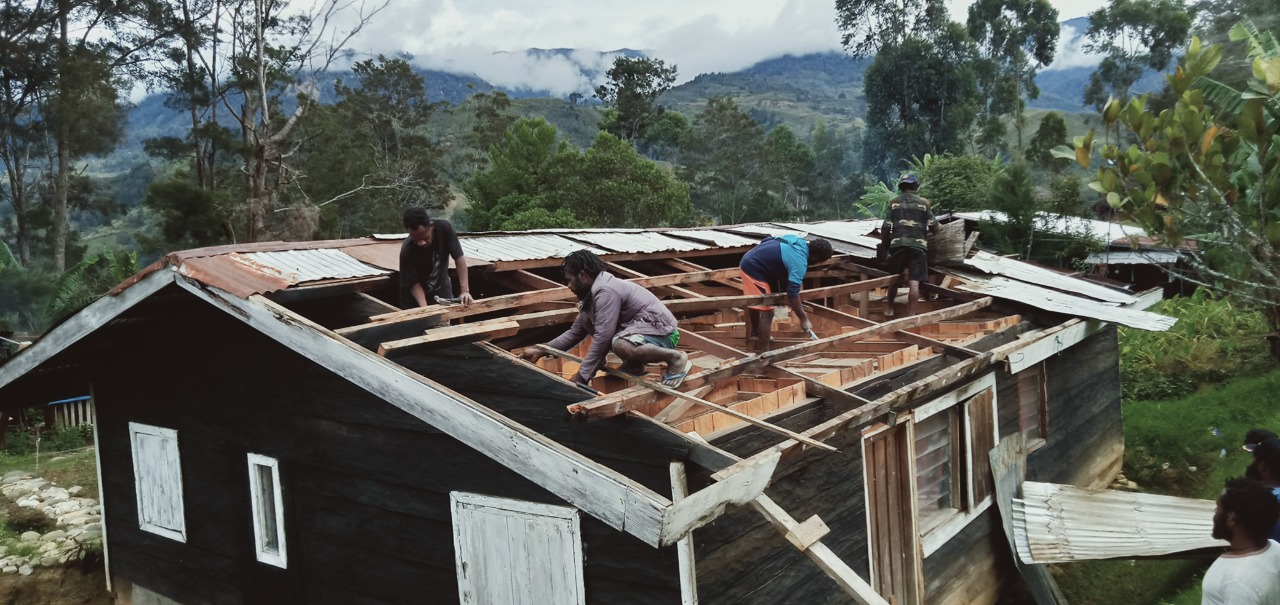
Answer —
424 261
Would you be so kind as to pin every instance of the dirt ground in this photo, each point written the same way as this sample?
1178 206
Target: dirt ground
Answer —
76 584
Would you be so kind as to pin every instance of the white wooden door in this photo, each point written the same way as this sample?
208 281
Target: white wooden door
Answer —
512 552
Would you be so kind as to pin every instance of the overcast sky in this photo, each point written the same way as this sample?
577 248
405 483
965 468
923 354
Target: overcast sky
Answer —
699 36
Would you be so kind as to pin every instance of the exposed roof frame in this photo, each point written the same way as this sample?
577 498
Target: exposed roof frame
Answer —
601 492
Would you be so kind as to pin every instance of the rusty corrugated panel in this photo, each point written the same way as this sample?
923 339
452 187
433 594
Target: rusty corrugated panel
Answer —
302 266
381 254
232 276
643 242
1063 523
518 247
137 277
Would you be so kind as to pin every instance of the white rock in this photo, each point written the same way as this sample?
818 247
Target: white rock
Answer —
48 561
54 536
55 492
75 490
9 569
49 547
63 508
30 536
25 570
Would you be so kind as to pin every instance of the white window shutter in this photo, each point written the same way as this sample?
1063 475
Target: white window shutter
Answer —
157 473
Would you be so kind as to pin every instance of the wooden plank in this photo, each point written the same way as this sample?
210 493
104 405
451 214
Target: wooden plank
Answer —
1067 337
739 484
684 548
378 302
905 336
1009 466
677 408
89 319
706 345
468 333
599 491
818 389
703 402
637 276
624 401
555 262
295 294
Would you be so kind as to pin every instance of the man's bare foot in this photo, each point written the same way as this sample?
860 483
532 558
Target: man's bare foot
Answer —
677 371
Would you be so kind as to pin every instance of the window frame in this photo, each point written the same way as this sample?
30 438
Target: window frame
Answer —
1033 444
178 534
937 533
279 557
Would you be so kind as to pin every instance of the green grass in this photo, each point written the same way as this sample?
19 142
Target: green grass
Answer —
1171 447
77 467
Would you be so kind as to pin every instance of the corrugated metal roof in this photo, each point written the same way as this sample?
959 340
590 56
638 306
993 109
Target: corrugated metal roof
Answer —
1063 523
1027 272
302 266
1134 257
518 247
1060 302
723 239
1058 223
854 232
643 242
765 230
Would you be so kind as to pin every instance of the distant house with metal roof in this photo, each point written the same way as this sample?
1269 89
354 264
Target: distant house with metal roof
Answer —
271 429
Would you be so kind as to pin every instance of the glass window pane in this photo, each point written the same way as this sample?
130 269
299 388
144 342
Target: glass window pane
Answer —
934 466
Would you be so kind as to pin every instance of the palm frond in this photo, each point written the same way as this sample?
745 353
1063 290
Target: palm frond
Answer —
6 257
1226 99
71 292
1260 43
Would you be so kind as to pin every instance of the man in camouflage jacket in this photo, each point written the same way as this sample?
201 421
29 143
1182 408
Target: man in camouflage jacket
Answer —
903 240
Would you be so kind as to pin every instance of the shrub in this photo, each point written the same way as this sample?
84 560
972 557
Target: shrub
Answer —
23 519
1214 340
69 438
19 442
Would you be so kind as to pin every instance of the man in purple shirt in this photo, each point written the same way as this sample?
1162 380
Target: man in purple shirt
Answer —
619 316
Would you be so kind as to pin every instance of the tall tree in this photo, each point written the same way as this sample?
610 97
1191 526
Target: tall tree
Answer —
791 166
631 93
371 156
26 41
868 26
921 98
519 187
1015 38
725 165
1134 35
1051 133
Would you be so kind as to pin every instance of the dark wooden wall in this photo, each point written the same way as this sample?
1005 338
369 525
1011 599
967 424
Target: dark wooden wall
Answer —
366 486
743 559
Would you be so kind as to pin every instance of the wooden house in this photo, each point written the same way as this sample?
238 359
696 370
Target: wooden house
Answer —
271 429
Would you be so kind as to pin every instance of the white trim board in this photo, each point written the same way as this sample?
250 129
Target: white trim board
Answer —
83 323
615 499
280 556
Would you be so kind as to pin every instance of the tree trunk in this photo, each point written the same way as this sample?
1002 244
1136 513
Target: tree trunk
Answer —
62 138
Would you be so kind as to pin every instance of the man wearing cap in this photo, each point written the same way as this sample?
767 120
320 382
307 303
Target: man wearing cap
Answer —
1266 468
903 241
1248 573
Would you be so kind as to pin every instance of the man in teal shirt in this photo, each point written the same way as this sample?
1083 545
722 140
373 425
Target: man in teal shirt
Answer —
774 265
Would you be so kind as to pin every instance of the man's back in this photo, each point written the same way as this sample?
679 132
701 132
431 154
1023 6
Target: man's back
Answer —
1252 579
909 221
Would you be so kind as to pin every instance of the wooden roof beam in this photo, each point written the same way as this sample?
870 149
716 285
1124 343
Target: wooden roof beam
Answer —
903 335
624 401
471 332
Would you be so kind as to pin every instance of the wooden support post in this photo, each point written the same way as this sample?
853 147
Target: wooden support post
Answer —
684 547
864 299
715 406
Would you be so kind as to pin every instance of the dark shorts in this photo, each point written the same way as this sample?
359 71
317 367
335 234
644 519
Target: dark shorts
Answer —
913 259
666 342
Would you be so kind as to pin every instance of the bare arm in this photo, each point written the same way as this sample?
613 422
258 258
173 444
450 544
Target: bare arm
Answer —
797 307
418 294
464 280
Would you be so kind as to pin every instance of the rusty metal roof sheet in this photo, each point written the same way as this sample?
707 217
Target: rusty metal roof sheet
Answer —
518 247
302 266
642 242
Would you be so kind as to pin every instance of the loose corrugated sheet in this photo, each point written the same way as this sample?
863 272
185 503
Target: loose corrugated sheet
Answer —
302 266
859 246
853 232
644 242
1059 302
722 239
1134 257
763 230
518 247
1062 523
1058 223
1040 276
231 276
